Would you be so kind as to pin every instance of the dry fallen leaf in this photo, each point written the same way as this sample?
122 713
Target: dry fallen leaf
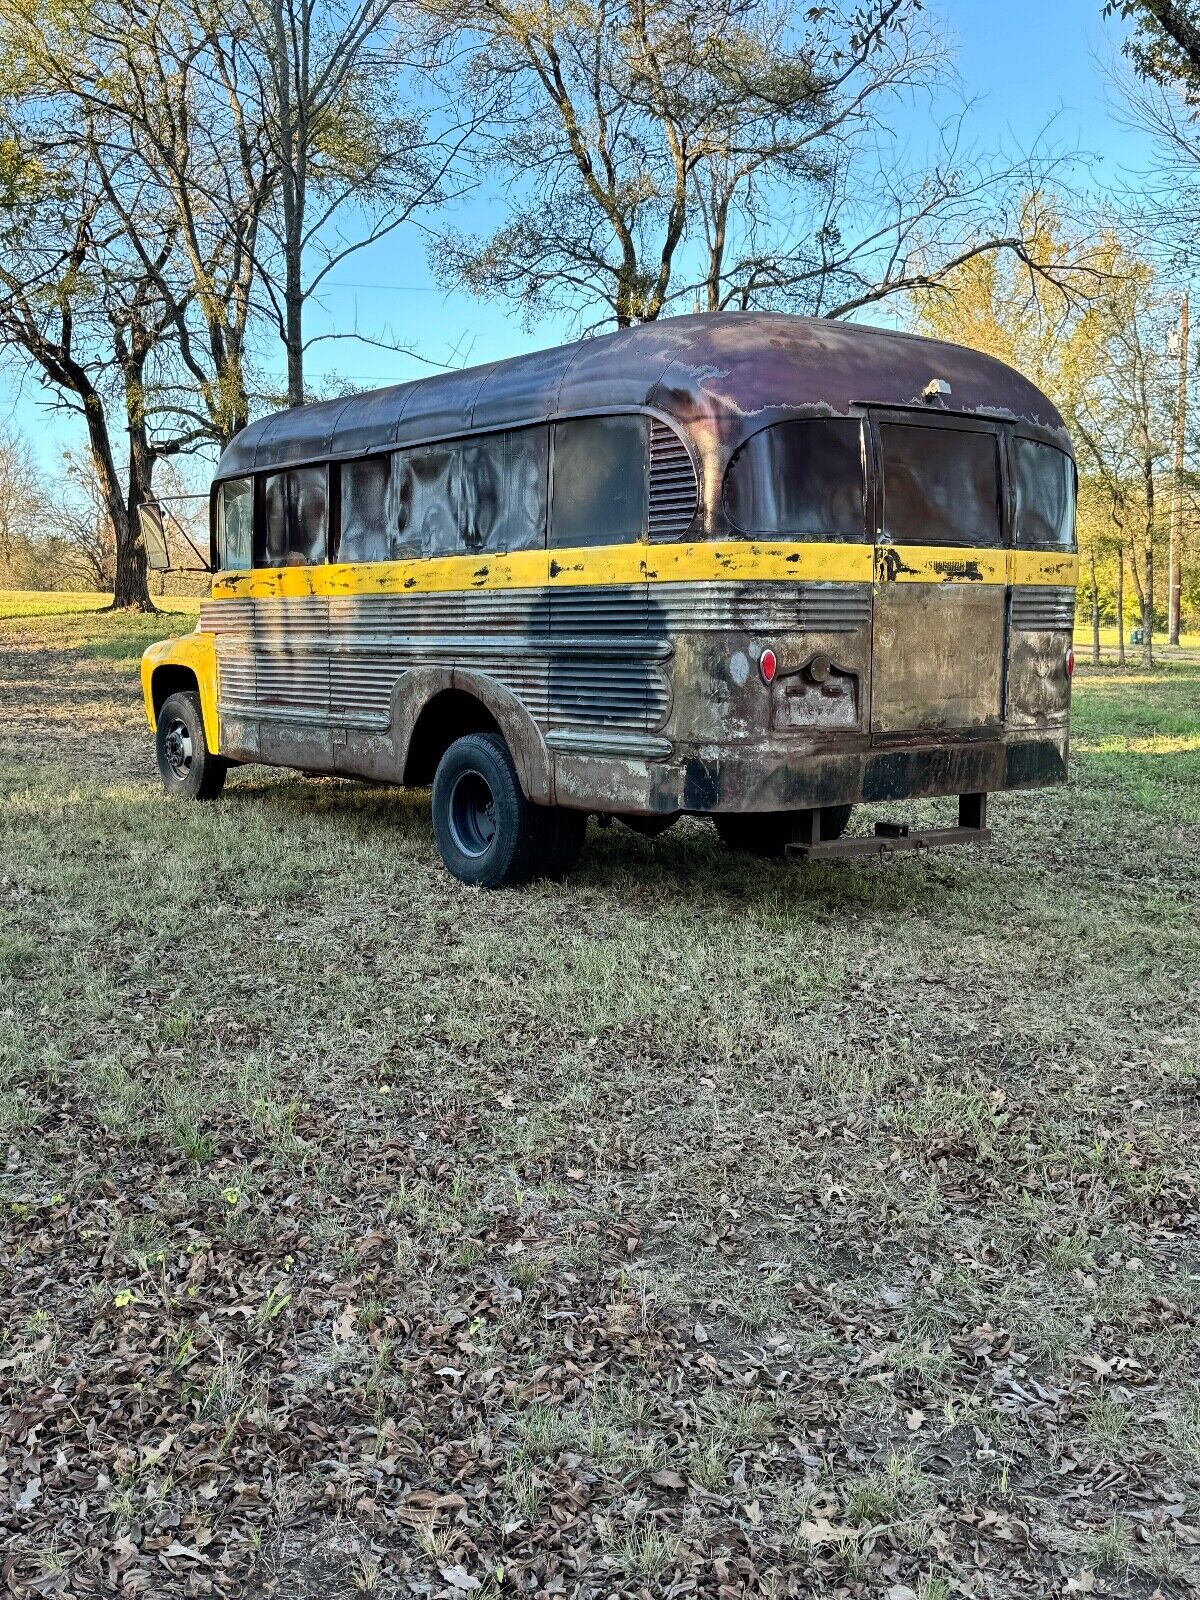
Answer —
31 1492
459 1578
821 1531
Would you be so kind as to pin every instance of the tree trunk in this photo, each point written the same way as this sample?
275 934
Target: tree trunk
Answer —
1148 560
1095 613
1175 557
293 152
294 329
129 584
130 591
1121 605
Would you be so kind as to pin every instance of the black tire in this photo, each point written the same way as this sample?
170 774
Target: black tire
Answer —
563 832
834 821
755 833
188 768
651 826
487 832
768 833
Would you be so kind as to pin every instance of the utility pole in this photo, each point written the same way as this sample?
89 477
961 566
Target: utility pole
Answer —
1175 564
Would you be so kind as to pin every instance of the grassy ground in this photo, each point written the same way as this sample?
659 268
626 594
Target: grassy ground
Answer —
695 1226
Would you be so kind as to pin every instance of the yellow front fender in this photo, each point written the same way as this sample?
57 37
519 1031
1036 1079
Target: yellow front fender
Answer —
196 654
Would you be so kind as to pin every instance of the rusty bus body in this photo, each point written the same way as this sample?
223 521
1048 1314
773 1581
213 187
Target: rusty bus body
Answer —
751 566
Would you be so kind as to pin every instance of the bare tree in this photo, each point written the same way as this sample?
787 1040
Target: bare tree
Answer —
353 152
1122 417
23 497
83 314
668 154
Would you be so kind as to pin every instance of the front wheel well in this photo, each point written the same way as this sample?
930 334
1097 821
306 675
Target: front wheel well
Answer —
449 715
168 680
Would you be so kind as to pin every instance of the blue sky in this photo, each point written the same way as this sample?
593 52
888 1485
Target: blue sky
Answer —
1023 63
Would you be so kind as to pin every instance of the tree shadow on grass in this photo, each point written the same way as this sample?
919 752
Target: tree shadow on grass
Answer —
687 863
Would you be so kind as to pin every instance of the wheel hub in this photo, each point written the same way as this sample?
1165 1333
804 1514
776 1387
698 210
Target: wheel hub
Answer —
472 814
177 746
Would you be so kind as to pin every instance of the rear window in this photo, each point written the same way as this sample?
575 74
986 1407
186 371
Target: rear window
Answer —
940 485
1044 482
800 479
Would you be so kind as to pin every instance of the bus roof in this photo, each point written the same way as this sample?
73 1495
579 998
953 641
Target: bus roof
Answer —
726 374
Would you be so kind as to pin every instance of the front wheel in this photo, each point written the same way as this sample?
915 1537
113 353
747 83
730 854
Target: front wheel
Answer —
487 832
188 768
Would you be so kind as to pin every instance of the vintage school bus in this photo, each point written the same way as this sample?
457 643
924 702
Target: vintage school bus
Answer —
749 566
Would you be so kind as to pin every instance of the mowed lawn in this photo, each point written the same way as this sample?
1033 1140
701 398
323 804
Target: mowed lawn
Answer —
695 1226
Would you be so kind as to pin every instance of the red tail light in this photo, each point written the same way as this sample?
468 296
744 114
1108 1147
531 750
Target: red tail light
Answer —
1071 661
767 666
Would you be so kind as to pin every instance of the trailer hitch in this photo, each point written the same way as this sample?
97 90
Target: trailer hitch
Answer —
890 838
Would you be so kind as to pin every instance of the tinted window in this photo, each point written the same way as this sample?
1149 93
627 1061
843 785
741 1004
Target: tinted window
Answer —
503 491
940 485
799 480
599 481
294 518
235 517
365 496
1044 481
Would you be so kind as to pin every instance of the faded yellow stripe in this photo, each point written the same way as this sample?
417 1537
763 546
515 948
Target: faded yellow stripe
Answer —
1044 566
521 569
740 561
933 563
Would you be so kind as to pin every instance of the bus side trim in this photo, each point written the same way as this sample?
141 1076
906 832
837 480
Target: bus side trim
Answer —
742 561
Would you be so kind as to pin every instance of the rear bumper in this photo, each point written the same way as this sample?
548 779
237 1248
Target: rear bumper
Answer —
797 781
863 776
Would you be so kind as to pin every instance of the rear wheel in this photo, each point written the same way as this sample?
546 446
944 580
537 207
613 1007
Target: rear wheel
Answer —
563 832
188 768
651 826
768 833
487 832
834 821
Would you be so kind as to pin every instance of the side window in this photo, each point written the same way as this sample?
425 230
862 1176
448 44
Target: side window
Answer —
365 503
503 491
1044 481
294 518
425 493
471 496
800 479
600 486
940 485
235 517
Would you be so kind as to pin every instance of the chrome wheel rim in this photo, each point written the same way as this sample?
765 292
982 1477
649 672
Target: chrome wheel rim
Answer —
472 814
177 747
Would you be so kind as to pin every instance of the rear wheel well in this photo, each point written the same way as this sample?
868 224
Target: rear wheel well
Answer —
168 680
450 715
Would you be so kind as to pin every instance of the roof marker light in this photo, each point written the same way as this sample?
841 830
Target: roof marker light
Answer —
767 666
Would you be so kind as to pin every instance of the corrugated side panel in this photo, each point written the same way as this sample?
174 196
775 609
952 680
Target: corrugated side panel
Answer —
609 693
599 609
361 684
226 616
1040 608
235 675
759 607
